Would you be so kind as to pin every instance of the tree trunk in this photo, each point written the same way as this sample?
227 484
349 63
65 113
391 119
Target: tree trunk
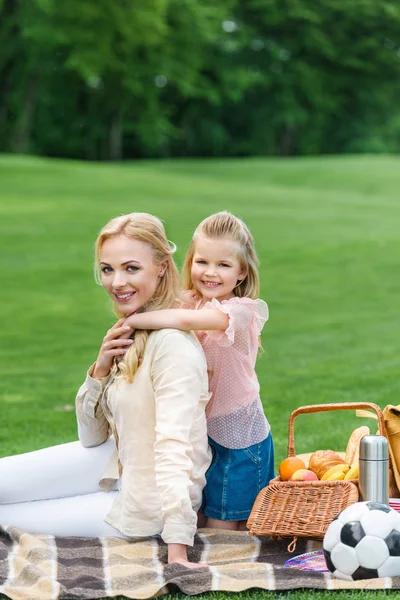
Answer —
10 32
287 142
115 140
21 137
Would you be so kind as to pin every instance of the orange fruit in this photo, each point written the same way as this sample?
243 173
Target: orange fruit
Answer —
289 466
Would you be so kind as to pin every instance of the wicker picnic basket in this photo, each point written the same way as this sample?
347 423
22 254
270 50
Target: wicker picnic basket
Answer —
292 509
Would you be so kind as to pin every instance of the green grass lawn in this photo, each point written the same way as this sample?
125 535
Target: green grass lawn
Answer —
327 232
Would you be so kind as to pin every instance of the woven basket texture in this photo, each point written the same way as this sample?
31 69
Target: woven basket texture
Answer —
305 508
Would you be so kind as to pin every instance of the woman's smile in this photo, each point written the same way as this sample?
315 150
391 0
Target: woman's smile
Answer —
124 296
128 272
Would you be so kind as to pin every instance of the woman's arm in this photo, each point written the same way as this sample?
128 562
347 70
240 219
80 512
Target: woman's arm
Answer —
179 379
180 318
115 343
93 428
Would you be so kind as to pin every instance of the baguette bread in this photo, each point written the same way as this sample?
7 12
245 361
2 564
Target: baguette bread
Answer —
353 445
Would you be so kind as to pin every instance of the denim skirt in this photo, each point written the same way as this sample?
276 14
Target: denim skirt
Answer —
234 479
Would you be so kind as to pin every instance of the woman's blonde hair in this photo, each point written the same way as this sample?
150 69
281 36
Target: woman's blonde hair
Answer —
225 225
149 229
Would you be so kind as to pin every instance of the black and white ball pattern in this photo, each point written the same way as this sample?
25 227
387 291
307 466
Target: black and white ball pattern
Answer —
364 542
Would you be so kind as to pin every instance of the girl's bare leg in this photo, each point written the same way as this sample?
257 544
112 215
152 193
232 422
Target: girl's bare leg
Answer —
201 520
217 524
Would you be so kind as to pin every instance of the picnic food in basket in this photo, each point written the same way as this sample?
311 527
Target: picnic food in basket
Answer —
289 466
338 472
329 466
304 475
295 509
323 460
353 445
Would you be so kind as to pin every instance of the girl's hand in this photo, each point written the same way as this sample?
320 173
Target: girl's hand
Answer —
115 344
127 321
177 553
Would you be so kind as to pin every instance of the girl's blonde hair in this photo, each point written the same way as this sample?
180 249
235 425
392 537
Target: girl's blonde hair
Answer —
225 225
149 229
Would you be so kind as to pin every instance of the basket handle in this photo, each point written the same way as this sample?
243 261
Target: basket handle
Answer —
313 408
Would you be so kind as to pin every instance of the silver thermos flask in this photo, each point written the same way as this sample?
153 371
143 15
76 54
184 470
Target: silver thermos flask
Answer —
374 469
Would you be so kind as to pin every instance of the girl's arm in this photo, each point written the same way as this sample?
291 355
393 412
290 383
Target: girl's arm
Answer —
180 318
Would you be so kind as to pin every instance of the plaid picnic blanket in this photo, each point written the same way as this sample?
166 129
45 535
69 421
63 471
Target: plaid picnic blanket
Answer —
43 567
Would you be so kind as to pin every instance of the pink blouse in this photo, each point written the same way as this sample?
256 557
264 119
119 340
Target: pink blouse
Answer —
235 415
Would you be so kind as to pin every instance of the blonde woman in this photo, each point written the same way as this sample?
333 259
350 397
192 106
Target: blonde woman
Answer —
140 412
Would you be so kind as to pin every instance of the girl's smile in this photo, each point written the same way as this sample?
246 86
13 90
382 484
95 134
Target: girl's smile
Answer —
216 268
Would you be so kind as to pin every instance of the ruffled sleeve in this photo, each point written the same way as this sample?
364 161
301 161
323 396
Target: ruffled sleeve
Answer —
243 313
261 314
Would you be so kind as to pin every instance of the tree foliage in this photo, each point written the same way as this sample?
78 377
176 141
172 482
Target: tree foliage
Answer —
134 78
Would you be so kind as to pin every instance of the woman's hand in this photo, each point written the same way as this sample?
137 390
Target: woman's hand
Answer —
115 344
177 553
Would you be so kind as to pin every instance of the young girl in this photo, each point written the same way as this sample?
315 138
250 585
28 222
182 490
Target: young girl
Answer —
220 274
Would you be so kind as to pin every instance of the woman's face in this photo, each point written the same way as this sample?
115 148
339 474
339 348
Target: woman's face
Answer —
128 272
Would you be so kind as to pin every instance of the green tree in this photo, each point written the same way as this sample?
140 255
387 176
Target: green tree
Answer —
100 80
320 66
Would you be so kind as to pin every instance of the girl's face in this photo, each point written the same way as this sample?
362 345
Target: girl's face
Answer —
216 268
129 273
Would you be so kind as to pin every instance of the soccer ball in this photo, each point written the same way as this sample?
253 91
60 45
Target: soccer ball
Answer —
363 542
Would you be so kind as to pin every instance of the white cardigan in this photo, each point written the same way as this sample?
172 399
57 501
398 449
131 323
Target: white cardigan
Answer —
159 425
